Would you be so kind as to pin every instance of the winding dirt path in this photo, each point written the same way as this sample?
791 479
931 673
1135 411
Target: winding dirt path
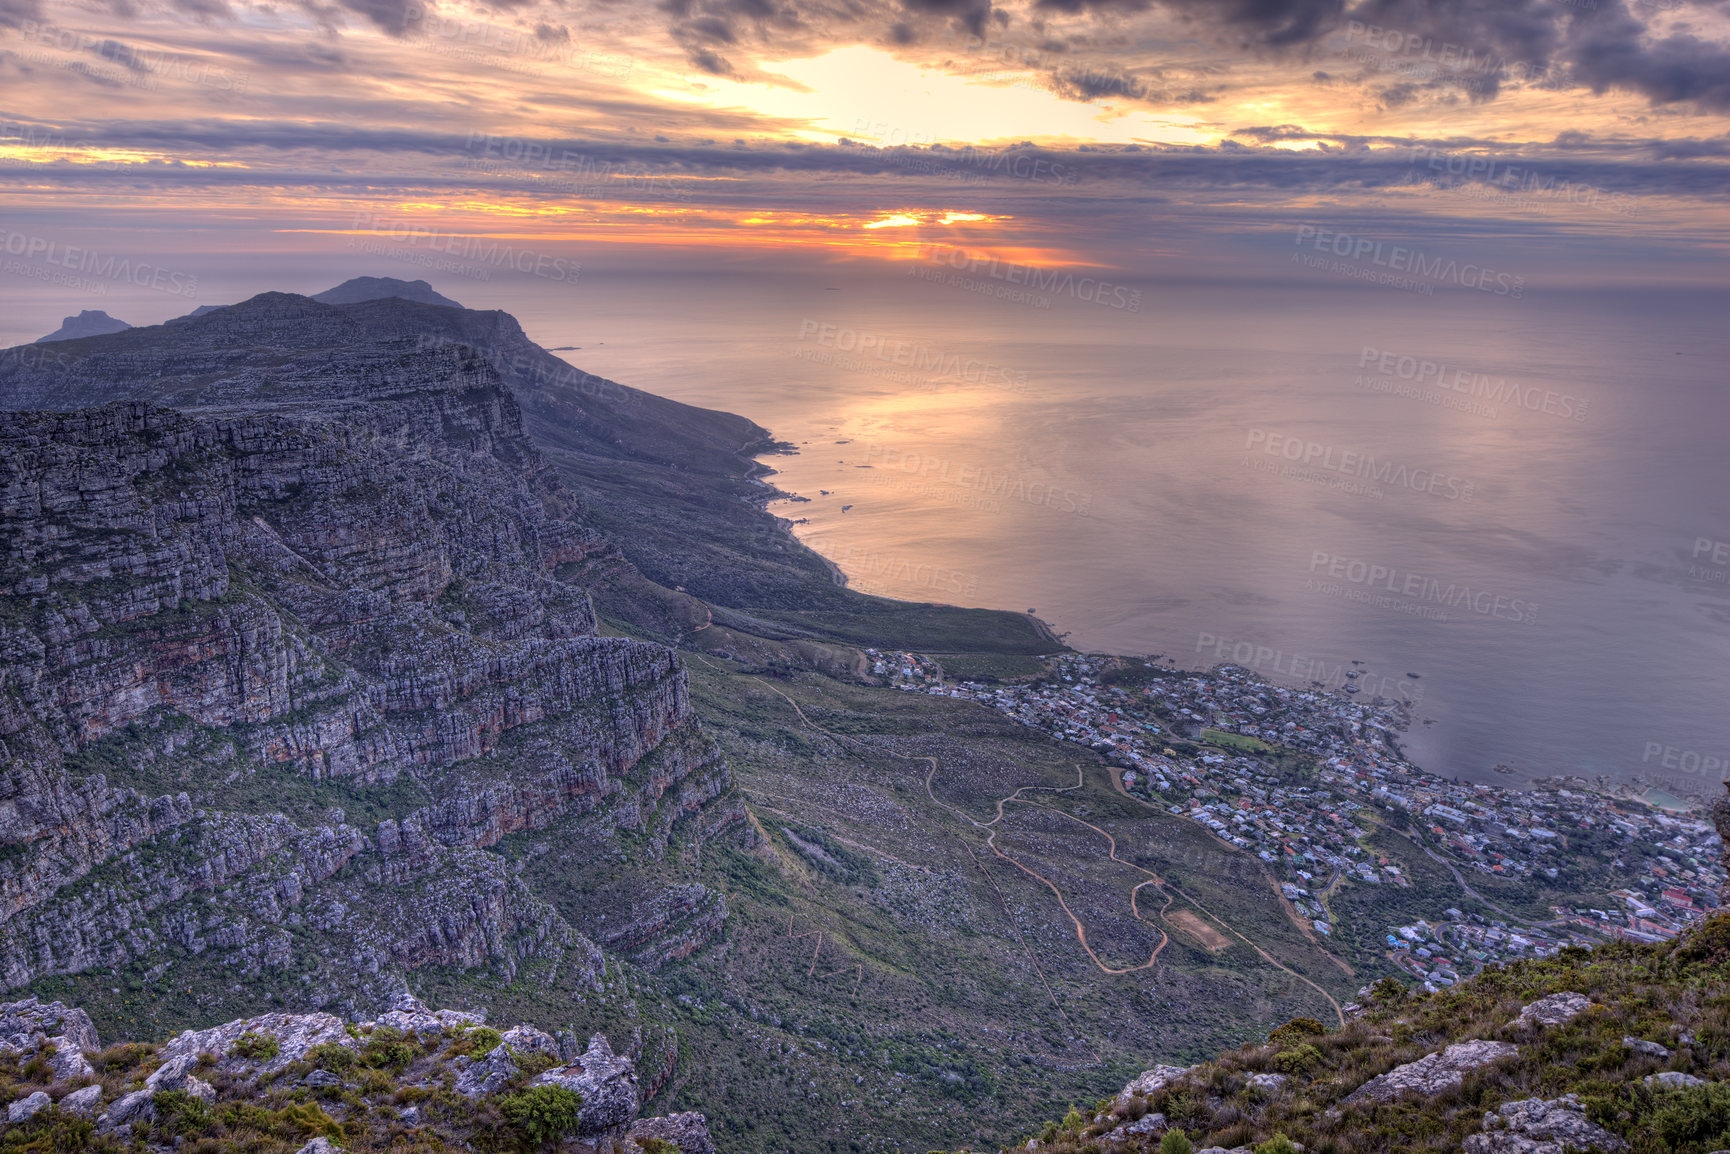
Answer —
1298 922
989 828
1267 957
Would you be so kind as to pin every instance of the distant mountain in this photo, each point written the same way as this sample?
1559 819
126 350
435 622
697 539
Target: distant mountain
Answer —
89 323
372 288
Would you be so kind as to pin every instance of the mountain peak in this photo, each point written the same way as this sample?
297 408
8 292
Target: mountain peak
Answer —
367 288
89 323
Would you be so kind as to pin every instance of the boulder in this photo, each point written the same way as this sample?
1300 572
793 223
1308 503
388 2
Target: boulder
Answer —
1151 1081
411 1015
295 1034
1267 1083
68 1060
1641 1046
84 1103
488 1075
176 1074
523 1039
1672 1079
1536 1126
28 1107
1554 1010
172 1074
1435 1073
21 1023
689 1132
134 1107
1146 1124
320 1145
608 1084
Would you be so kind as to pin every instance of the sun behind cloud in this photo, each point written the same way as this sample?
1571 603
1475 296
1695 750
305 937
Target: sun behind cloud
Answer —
866 95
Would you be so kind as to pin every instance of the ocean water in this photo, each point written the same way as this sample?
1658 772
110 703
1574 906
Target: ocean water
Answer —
1524 503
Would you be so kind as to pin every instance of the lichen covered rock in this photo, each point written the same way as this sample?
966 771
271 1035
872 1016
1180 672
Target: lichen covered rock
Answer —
607 1083
1434 1073
1536 1126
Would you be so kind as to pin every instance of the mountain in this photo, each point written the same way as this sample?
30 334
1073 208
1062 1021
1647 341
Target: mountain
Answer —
674 485
89 323
282 670
369 288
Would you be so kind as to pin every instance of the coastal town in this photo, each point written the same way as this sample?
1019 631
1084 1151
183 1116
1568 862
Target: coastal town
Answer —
1313 782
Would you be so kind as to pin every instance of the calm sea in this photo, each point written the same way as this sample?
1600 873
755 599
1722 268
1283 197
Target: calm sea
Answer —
1524 503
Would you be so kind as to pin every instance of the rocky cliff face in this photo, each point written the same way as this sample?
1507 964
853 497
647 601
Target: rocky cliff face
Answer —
343 568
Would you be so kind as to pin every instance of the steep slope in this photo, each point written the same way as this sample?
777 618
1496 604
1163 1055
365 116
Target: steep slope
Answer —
674 485
337 579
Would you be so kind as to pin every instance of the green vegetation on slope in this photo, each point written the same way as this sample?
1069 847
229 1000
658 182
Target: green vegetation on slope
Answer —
1675 996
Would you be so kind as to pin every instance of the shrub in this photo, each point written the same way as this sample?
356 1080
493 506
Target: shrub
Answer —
388 1050
1278 1144
1298 1060
256 1046
294 1123
1176 1142
542 1114
532 1062
121 1056
331 1056
179 1113
657 1146
1695 1114
306 1119
476 1040
1297 1030
52 1132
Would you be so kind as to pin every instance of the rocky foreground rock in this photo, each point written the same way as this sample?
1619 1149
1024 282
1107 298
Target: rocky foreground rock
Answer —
1536 1126
1434 1073
358 1074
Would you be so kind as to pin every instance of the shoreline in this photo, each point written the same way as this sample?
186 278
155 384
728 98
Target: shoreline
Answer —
774 493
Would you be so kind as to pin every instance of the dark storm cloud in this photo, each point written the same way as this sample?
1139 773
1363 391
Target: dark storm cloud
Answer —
1601 45
395 17
1528 30
1607 51
202 9
1275 22
15 12
969 14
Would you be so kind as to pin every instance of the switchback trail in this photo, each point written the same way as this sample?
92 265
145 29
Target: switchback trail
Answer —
990 831
1267 957
1080 930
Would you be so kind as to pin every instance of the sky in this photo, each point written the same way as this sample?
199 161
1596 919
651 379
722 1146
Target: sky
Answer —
162 153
